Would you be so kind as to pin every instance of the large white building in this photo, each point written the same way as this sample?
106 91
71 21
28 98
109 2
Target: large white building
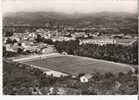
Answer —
98 41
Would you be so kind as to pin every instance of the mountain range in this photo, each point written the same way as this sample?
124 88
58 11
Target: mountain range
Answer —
102 19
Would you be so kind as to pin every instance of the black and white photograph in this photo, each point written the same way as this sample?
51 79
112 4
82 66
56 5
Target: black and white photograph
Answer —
70 47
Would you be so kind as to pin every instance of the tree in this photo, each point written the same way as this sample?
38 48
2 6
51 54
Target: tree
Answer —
97 76
8 41
109 75
48 41
14 41
39 38
19 50
136 70
8 34
81 74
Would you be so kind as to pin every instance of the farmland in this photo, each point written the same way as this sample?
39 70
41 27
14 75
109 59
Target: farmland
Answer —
76 65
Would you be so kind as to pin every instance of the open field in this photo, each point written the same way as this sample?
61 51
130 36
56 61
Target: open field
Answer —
75 65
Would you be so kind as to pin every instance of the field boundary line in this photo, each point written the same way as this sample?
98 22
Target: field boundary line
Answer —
30 58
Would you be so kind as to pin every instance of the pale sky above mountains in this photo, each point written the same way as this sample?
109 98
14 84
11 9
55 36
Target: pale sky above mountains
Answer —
70 6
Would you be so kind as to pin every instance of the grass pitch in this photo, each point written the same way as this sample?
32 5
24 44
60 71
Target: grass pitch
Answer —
75 65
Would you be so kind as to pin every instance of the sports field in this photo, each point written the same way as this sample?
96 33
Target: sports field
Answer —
75 65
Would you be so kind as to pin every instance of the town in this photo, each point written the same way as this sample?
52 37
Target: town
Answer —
28 41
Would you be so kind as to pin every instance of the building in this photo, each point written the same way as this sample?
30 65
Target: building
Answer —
64 53
49 49
79 35
126 42
55 73
85 78
62 38
98 41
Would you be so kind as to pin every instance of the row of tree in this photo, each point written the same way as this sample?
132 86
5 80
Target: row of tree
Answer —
112 52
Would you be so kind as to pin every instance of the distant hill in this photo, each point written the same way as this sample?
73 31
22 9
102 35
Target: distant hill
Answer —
104 19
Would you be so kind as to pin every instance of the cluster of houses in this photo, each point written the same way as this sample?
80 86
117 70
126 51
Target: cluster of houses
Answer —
62 38
26 43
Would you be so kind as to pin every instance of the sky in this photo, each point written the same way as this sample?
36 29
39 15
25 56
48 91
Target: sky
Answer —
69 6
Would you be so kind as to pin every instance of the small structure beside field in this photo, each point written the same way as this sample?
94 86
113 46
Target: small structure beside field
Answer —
55 73
85 78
